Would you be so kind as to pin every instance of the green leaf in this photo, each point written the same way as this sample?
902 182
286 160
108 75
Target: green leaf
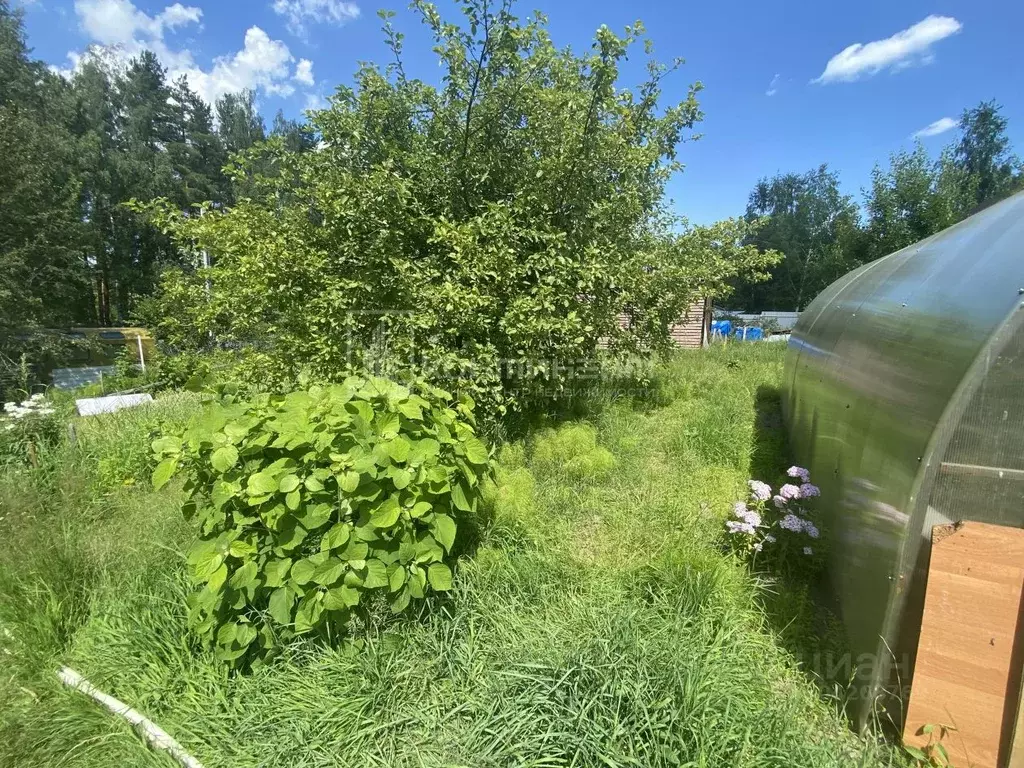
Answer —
335 537
387 425
329 572
164 472
444 529
460 498
410 410
400 601
217 578
916 753
167 445
386 515
420 508
288 483
227 632
276 571
376 574
422 450
400 477
206 564
396 577
241 549
313 485
224 458
311 608
316 516
476 453
261 484
341 597
416 582
303 571
398 449
293 499
439 577
222 493
245 634
348 481
356 550
290 534
244 576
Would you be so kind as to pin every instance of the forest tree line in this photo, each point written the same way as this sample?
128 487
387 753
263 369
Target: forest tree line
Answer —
824 233
75 150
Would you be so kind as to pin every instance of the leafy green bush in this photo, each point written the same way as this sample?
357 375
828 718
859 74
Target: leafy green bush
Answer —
311 503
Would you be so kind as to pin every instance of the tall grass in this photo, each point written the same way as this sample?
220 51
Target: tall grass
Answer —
599 624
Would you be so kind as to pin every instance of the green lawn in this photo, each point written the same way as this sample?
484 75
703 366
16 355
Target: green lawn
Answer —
598 624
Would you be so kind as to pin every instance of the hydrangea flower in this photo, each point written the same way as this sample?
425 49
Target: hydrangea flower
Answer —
752 518
808 551
800 472
780 502
811 529
736 526
769 539
792 523
739 509
807 490
789 491
760 491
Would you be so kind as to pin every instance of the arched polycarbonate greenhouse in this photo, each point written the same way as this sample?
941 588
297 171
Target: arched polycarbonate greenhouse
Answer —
904 395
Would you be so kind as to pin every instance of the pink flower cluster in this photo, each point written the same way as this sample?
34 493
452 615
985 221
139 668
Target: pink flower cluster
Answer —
753 515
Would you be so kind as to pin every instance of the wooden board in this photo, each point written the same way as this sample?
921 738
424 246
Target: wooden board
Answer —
969 655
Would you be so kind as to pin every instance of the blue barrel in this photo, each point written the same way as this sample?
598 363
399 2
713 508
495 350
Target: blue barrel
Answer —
721 328
748 334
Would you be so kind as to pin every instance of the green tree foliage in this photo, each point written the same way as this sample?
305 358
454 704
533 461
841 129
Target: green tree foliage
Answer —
240 125
42 277
75 151
808 219
483 232
312 504
817 228
983 154
913 199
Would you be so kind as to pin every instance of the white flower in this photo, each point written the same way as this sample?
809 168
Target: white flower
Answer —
808 551
37 397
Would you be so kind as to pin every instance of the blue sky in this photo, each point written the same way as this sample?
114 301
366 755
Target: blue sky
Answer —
784 90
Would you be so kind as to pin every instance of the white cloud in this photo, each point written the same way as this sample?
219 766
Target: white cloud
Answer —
119 22
907 47
120 31
304 72
941 125
178 15
773 86
262 64
300 12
